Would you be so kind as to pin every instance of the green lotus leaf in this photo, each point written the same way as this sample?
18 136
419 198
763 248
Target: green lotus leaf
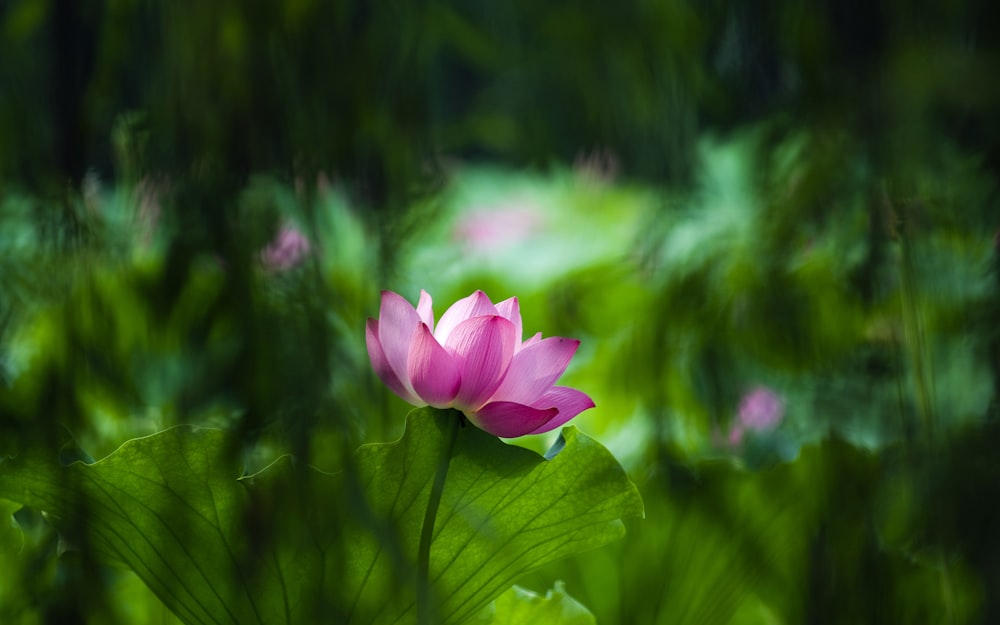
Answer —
290 544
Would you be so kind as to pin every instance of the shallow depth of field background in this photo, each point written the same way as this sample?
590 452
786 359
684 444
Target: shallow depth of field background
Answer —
200 203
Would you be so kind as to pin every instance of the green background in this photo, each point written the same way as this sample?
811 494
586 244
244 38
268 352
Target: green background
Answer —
711 196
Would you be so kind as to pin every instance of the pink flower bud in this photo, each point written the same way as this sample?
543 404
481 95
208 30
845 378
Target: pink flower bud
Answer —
287 249
761 409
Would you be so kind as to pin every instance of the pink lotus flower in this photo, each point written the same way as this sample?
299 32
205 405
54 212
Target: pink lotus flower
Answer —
474 361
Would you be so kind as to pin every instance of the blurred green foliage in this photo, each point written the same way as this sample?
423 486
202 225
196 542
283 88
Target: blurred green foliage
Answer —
712 196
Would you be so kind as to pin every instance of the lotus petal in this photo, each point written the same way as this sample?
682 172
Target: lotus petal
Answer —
475 305
432 370
509 419
510 310
483 347
425 309
397 323
569 401
381 364
535 368
532 340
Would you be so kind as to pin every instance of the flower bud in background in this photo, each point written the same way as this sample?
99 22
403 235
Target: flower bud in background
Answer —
760 409
474 360
287 249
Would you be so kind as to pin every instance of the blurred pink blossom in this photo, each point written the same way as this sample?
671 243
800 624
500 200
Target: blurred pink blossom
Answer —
474 360
493 229
735 435
760 409
287 249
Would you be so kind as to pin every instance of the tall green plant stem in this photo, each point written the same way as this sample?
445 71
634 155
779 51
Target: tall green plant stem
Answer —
424 602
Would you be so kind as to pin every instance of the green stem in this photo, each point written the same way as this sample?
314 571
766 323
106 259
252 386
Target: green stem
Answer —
424 616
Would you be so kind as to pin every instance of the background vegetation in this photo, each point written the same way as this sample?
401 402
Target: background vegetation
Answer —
200 202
